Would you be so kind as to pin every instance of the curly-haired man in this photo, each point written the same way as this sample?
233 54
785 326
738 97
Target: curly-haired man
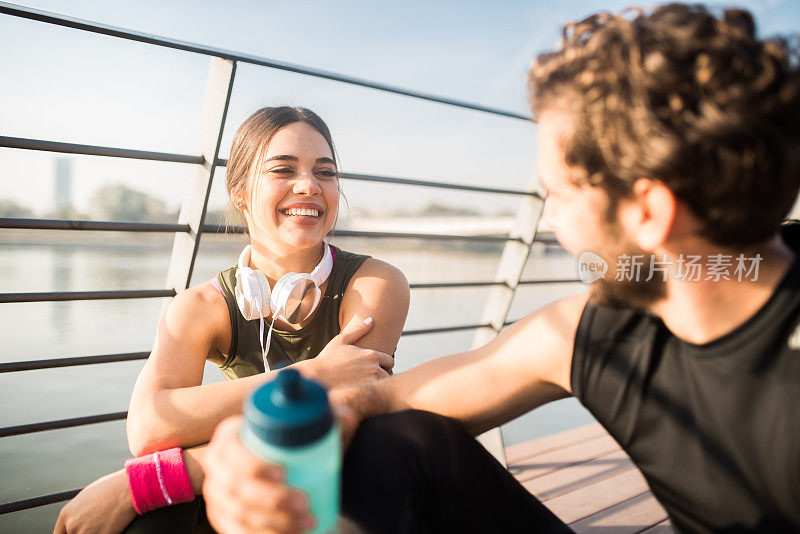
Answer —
669 146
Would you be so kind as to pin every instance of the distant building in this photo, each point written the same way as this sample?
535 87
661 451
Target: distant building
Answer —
63 200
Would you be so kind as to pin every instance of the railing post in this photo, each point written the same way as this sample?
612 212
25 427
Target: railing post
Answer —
509 271
195 201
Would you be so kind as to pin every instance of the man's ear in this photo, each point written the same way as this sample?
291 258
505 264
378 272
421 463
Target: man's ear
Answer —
648 216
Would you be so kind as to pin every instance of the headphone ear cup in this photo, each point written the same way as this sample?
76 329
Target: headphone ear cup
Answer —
252 293
279 294
261 288
294 297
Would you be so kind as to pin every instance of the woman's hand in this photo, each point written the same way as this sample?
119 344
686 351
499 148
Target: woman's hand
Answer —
341 362
245 494
104 506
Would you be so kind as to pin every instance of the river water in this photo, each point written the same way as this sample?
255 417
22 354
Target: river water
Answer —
52 461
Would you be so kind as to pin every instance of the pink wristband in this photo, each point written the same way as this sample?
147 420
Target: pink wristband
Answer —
157 480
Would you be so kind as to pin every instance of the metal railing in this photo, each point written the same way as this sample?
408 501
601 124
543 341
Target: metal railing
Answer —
191 223
122 33
92 150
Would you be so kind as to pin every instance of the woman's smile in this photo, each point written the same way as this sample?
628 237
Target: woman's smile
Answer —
302 213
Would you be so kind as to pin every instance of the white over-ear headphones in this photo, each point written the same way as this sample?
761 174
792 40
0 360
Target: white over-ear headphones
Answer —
293 299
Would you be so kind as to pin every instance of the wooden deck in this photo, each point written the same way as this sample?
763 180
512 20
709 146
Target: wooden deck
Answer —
584 477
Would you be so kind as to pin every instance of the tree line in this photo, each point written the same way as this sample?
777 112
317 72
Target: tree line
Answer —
112 202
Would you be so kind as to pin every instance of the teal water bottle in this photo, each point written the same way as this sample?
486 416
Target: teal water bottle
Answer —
289 421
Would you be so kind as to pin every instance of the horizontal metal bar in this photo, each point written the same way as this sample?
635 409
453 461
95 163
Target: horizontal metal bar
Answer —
113 31
93 150
422 183
224 229
408 235
546 240
61 423
34 365
221 162
105 226
443 329
554 281
443 185
36 502
59 296
438 285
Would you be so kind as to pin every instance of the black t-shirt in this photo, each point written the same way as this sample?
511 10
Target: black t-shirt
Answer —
714 428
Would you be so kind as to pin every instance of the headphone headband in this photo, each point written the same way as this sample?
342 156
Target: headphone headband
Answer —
323 269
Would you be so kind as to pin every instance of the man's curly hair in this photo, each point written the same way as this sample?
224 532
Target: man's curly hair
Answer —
689 98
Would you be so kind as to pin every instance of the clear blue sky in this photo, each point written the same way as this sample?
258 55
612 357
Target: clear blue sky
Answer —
68 85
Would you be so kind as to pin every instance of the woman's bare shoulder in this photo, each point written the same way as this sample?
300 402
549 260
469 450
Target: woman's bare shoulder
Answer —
379 270
200 298
202 307
378 290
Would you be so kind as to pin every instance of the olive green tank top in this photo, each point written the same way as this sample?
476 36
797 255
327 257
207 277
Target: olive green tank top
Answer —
287 346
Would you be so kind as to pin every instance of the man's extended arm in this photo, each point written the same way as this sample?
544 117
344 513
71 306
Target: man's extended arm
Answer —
526 366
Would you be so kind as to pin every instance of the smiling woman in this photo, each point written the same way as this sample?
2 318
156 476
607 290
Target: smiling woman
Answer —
335 316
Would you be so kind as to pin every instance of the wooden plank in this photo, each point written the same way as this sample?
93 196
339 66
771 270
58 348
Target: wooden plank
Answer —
589 500
574 477
548 462
629 517
520 451
665 527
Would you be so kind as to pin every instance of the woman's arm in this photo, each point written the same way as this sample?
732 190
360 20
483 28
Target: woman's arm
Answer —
380 291
105 505
169 406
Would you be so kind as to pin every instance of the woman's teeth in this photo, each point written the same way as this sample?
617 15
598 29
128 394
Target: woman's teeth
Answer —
301 212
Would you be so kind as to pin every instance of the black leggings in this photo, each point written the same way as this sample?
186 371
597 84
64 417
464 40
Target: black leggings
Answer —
418 472
410 472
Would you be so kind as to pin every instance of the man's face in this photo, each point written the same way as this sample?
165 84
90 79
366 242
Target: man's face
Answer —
575 213
578 215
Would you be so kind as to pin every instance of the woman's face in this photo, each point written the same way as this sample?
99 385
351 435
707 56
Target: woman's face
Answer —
292 193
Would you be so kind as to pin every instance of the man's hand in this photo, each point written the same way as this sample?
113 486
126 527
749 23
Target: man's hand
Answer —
245 494
341 362
344 405
104 506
